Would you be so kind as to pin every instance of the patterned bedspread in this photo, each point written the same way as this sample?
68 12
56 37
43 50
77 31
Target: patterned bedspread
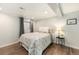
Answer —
35 42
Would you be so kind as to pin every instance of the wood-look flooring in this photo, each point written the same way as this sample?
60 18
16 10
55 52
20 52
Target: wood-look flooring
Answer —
53 49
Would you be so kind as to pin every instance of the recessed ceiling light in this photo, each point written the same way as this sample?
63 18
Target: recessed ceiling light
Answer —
0 8
32 17
45 12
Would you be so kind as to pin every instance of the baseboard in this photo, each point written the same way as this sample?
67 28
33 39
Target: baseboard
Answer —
11 43
72 46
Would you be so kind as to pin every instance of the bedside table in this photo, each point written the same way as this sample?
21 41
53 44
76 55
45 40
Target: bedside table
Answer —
60 40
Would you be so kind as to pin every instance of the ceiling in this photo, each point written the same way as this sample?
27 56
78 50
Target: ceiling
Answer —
38 10
70 7
30 10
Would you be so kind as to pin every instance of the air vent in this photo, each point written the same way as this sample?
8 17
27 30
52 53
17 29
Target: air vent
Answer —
21 8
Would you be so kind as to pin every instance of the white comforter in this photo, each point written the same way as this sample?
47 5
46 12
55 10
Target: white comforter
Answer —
35 42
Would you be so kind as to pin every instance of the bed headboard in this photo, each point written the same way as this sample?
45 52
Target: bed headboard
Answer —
45 29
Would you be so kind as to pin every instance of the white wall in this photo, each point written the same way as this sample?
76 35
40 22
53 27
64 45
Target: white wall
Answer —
9 29
71 31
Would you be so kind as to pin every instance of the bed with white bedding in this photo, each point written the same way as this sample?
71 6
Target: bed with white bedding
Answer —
35 43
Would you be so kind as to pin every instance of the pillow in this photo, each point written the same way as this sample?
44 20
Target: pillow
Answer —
44 29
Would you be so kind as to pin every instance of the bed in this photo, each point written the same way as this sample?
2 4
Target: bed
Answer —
36 42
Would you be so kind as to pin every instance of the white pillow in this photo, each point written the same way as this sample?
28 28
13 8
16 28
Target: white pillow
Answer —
43 29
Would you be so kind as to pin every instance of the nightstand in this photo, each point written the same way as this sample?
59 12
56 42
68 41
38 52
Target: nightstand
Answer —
60 40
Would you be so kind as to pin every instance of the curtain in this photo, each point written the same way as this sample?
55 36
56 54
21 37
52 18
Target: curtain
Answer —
31 26
21 26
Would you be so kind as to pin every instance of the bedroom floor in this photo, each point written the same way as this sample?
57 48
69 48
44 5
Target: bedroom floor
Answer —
53 49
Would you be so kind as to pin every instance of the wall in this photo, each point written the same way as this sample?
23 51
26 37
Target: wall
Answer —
71 31
9 29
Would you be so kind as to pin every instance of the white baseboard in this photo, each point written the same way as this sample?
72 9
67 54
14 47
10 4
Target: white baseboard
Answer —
72 46
11 43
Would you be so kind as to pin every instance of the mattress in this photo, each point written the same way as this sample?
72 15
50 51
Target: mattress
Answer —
35 43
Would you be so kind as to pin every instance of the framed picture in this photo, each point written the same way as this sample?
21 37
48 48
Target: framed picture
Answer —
72 21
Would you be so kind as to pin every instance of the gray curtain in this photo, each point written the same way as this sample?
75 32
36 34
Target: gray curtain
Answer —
21 26
31 26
